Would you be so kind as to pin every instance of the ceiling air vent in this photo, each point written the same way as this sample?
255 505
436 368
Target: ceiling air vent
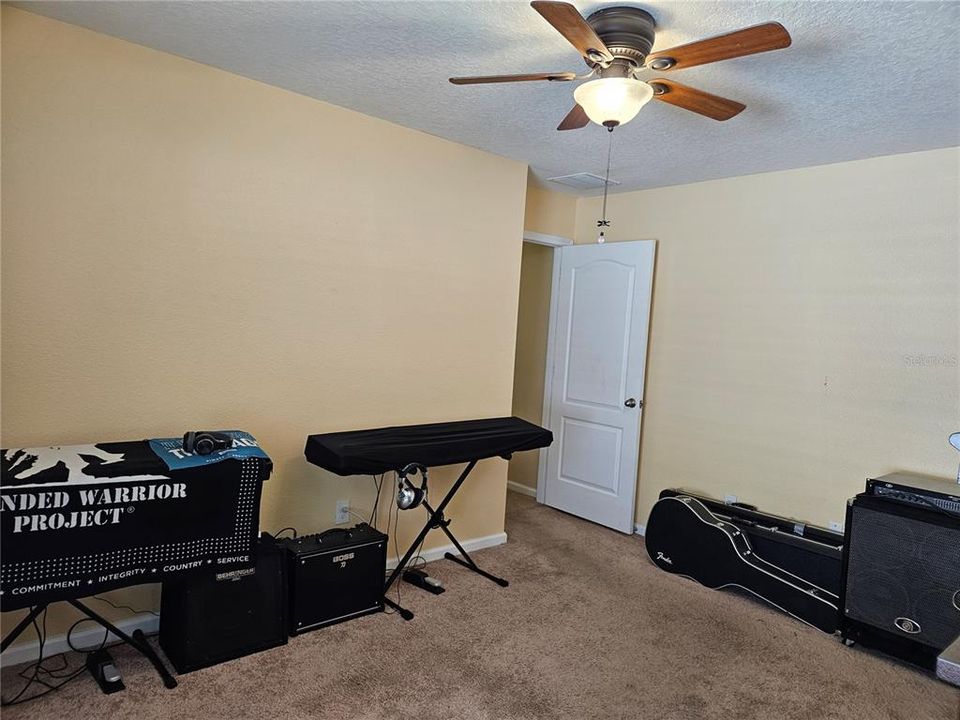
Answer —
581 181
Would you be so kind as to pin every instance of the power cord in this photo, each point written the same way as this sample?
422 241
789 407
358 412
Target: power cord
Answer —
34 673
103 643
124 607
395 511
41 639
358 516
417 557
38 667
418 561
378 484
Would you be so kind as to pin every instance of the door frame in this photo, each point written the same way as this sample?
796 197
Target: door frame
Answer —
550 360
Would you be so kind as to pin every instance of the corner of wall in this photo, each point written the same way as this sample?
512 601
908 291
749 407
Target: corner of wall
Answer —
548 211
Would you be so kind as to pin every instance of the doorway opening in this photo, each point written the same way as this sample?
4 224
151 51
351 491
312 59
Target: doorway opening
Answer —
533 324
583 325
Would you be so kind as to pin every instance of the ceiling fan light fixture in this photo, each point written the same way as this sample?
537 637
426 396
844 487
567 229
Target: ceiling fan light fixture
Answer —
612 101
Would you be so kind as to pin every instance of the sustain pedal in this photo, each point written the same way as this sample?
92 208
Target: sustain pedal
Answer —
424 581
104 671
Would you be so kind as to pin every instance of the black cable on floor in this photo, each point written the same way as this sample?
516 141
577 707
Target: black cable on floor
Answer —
38 668
59 673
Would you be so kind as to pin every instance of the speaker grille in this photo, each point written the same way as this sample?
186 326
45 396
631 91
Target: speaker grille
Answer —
903 576
204 621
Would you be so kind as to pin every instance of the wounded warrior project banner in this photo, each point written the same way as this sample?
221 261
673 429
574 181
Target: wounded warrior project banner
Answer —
81 519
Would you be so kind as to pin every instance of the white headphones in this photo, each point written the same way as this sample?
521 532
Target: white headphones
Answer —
408 495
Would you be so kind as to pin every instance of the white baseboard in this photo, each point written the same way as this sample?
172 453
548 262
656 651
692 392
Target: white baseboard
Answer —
640 530
469 545
92 635
83 637
522 489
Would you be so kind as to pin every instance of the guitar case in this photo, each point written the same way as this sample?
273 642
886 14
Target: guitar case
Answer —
685 538
808 551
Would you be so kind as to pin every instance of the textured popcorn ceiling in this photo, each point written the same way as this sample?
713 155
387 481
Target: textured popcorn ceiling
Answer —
861 79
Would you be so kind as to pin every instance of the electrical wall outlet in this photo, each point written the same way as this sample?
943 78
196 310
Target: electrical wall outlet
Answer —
729 499
343 511
834 525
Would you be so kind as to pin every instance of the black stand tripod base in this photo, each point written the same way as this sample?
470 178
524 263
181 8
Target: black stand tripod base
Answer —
21 626
168 680
470 566
403 612
435 519
138 641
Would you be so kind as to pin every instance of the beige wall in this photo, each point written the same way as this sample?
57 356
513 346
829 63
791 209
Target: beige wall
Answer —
187 248
805 330
533 318
550 213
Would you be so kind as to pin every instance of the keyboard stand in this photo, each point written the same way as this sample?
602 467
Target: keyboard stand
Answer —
138 641
435 520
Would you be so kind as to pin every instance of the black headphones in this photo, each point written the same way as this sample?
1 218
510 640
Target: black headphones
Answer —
204 442
409 496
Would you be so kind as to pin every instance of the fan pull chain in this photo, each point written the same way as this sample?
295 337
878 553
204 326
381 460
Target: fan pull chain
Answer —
603 222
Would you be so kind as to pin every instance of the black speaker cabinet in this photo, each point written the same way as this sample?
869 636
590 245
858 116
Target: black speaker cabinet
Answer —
205 621
335 576
901 591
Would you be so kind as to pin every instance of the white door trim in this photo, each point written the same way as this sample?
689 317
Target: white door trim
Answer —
548 376
544 239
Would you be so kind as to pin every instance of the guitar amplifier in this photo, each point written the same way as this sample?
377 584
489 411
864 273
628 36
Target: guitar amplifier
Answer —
208 620
901 590
921 490
335 576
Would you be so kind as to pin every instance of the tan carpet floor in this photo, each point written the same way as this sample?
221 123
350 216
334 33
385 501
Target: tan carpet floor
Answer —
588 628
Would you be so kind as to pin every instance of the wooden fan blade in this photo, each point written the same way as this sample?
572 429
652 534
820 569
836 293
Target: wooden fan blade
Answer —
756 39
477 80
568 21
698 101
576 118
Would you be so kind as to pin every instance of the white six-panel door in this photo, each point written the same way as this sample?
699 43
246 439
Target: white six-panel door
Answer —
594 387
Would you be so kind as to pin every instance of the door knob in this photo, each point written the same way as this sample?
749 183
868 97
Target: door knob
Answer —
630 403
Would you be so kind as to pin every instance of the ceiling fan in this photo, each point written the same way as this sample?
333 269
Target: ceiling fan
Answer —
616 43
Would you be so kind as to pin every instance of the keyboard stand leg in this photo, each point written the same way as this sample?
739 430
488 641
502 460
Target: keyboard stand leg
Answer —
435 519
21 626
467 561
404 613
138 642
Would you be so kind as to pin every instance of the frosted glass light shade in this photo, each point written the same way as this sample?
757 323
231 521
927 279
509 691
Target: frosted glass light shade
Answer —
612 101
